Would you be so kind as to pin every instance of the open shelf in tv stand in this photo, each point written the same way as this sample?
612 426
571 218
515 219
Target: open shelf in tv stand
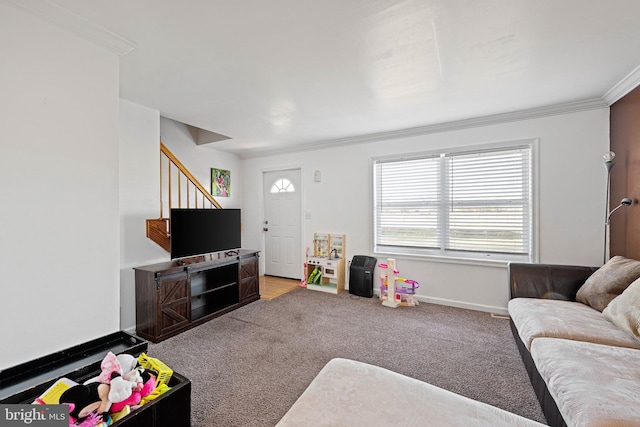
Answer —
172 297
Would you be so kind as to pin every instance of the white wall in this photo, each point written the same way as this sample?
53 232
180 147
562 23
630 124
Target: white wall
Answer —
139 198
571 204
200 159
59 244
141 130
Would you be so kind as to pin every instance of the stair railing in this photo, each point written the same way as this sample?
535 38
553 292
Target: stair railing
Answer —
177 173
178 189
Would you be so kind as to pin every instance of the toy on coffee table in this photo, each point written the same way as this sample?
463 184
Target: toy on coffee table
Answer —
393 295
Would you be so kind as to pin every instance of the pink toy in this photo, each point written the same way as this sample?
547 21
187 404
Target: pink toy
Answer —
136 397
391 294
303 282
126 380
385 266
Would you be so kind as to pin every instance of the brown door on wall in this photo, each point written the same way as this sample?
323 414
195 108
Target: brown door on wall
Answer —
624 131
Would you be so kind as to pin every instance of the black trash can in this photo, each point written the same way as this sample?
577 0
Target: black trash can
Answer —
361 275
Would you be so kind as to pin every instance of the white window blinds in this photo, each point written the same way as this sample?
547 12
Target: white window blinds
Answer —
455 203
408 201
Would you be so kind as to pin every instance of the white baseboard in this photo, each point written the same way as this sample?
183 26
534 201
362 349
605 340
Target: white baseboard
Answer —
131 330
468 305
459 304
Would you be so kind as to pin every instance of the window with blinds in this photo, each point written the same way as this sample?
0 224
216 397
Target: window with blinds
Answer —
474 204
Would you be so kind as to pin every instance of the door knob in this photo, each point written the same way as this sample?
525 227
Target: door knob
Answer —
265 229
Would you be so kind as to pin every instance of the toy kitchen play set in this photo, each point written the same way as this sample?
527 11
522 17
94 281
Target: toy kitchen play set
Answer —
325 269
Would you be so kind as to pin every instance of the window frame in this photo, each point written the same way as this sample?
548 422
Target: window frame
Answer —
289 188
445 255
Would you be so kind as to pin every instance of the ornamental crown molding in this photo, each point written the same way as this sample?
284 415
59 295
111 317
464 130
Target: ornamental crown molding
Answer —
623 87
67 20
551 110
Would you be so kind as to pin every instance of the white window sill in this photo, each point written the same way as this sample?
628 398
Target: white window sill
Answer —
495 263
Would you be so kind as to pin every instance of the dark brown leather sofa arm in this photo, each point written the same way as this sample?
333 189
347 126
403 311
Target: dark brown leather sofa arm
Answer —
548 281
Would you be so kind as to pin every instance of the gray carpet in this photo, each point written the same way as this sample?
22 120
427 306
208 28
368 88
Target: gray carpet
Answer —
249 366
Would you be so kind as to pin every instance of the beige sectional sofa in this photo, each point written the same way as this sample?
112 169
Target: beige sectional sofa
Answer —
351 393
577 329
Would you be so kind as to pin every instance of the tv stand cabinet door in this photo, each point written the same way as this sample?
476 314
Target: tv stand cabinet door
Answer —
249 282
173 303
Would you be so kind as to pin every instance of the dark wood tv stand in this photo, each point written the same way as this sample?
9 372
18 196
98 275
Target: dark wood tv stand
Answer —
173 296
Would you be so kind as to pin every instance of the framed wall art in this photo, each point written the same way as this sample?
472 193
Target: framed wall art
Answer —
220 182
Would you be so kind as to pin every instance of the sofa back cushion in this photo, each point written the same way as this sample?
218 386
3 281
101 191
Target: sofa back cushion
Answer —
608 282
624 310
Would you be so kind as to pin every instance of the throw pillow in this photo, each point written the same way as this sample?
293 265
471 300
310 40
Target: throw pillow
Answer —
608 282
624 310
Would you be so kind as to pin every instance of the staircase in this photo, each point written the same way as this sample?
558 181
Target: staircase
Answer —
178 189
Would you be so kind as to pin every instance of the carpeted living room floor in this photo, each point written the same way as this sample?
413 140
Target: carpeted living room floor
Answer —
249 366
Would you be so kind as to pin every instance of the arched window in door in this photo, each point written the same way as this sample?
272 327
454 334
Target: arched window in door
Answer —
282 185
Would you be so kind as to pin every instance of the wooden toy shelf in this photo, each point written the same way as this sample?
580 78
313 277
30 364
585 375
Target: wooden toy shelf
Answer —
328 257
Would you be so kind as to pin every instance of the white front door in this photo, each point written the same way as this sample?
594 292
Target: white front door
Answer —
282 223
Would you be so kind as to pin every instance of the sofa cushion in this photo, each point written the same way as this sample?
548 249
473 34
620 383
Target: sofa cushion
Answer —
608 282
624 310
351 393
592 384
535 318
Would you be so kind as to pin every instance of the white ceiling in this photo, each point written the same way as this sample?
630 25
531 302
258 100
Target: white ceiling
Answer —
282 74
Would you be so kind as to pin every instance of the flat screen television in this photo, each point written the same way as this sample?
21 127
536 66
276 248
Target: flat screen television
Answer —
202 231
